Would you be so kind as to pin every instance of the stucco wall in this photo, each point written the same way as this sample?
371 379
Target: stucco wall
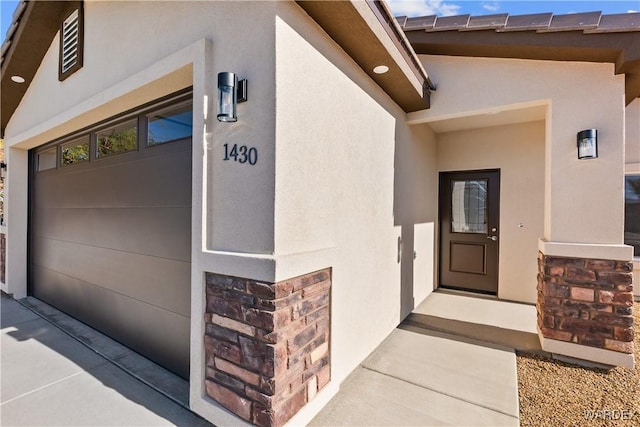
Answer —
347 170
416 211
329 151
578 194
518 151
632 136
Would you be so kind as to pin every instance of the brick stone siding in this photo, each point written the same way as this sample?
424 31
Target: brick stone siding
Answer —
586 301
267 344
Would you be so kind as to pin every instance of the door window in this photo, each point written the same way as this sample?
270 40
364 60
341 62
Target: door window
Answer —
469 206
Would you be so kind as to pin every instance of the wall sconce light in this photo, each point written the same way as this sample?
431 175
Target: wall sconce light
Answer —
231 91
588 144
3 170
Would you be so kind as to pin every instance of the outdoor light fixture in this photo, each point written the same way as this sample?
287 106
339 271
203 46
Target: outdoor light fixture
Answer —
230 93
380 69
588 144
3 170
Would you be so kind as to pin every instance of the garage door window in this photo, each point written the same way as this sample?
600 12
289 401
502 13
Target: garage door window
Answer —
118 139
170 125
47 159
76 151
158 123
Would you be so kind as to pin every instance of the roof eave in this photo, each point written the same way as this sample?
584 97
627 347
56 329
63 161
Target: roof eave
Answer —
36 26
594 39
345 22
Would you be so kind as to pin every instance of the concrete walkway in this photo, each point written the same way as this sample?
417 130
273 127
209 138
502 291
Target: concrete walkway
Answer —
485 319
420 377
49 378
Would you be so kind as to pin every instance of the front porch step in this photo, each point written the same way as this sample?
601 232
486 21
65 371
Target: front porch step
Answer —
479 318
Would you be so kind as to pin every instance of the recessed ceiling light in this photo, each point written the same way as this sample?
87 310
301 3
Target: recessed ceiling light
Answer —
17 79
380 69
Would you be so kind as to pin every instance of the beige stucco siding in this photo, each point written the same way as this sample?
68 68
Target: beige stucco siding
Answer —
578 194
518 151
416 210
342 147
332 141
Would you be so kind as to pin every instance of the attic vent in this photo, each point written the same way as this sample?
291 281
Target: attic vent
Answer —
71 44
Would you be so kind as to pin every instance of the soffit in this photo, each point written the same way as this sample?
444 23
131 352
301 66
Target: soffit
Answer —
490 118
590 37
346 26
34 27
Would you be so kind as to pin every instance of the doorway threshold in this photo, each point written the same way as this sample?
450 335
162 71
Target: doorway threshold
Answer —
480 317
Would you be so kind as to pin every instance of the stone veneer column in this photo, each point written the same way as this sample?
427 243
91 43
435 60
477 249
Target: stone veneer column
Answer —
587 302
267 344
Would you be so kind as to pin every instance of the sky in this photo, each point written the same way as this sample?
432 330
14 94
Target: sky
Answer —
452 7
6 14
513 7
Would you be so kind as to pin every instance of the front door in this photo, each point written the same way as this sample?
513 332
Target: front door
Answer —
469 235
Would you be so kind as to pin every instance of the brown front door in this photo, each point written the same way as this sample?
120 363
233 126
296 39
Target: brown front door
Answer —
469 235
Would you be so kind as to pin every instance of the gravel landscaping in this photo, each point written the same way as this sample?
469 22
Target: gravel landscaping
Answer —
553 393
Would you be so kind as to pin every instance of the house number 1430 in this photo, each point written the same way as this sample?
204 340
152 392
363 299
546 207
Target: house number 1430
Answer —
241 154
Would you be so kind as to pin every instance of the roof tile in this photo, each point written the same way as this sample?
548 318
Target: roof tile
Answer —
618 23
527 22
573 22
420 23
588 22
487 22
445 23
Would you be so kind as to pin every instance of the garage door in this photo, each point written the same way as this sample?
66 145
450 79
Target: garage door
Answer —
111 229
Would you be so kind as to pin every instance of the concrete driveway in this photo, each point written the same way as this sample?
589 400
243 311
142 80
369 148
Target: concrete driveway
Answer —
49 378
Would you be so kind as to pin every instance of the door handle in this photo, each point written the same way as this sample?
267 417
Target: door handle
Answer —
494 238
